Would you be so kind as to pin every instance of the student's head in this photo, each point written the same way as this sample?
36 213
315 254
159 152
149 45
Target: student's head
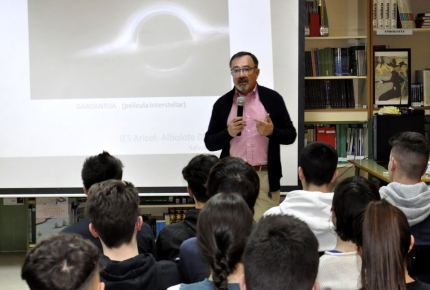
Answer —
281 253
384 239
223 227
318 162
99 168
232 174
63 262
196 174
409 155
113 210
351 197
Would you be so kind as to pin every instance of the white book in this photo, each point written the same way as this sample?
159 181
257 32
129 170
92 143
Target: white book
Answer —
393 13
423 76
387 10
381 14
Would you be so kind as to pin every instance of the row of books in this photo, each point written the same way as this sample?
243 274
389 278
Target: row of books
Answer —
340 61
423 20
322 94
422 87
347 139
316 19
391 14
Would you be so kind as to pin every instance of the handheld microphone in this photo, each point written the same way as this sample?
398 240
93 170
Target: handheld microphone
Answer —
240 103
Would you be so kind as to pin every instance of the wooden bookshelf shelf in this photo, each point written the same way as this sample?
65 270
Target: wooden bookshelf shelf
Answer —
337 37
336 115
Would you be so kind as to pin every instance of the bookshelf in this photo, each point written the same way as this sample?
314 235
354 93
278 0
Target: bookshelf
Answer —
348 26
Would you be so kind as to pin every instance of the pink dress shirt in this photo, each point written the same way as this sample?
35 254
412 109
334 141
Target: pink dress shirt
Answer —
255 144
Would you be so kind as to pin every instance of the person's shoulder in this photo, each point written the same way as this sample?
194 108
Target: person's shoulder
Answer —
189 244
417 285
262 90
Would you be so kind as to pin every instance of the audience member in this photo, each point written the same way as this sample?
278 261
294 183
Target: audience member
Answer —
339 269
113 210
408 162
281 253
383 238
96 169
223 227
171 237
229 175
317 170
63 262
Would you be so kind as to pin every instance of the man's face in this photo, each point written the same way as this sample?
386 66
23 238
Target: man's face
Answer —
244 83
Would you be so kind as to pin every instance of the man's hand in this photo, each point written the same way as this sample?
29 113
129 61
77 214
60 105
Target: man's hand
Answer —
236 125
264 128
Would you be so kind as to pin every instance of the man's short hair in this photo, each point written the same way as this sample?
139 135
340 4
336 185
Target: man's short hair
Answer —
243 53
113 208
318 161
196 174
351 197
281 253
411 150
233 175
61 262
99 168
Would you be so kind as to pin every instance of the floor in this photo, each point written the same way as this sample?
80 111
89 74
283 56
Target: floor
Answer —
10 271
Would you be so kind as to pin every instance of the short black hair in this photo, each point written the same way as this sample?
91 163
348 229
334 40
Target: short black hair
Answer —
61 262
351 197
99 168
411 151
113 209
196 174
318 161
234 175
281 253
243 53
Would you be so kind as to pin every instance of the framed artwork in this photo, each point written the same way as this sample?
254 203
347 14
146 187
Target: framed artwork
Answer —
392 77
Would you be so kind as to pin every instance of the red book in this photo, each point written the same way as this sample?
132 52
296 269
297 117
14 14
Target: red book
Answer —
327 134
314 25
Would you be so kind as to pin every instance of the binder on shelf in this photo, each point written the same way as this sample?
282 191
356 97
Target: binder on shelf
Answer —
341 142
314 25
327 134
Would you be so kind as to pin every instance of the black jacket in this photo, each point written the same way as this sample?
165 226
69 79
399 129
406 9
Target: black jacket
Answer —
218 138
140 272
171 237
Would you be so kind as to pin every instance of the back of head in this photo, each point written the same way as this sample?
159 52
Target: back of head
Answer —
196 174
99 168
62 262
223 227
281 253
383 237
113 208
232 174
318 161
351 197
411 151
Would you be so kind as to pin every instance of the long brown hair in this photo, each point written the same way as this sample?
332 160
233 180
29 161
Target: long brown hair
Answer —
383 237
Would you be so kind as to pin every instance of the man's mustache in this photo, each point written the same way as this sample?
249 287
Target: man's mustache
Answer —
243 80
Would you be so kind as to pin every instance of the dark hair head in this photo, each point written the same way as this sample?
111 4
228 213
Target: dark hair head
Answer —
318 161
196 174
223 227
99 168
113 208
382 234
61 262
411 151
243 53
281 253
232 174
351 197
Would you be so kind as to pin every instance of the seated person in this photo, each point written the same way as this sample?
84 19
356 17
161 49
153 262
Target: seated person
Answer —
113 210
281 253
383 238
63 262
340 268
171 237
408 162
223 227
317 170
229 175
96 169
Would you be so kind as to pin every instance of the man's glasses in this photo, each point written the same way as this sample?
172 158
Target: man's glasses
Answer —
246 71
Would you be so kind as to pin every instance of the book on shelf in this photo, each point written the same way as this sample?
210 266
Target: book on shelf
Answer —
422 21
316 19
393 13
405 15
323 94
341 142
423 77
380 14
355 141
52 215
387 13
327 134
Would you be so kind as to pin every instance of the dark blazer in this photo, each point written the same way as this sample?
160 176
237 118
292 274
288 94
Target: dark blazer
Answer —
218 138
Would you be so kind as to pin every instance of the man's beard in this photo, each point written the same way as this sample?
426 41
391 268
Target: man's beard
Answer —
243 86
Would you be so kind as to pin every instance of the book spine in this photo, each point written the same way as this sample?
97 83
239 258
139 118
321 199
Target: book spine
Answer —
393 14
387 18
375 14
380 14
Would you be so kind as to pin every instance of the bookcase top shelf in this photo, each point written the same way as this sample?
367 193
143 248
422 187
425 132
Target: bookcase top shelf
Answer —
335 77
337 37
336 115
